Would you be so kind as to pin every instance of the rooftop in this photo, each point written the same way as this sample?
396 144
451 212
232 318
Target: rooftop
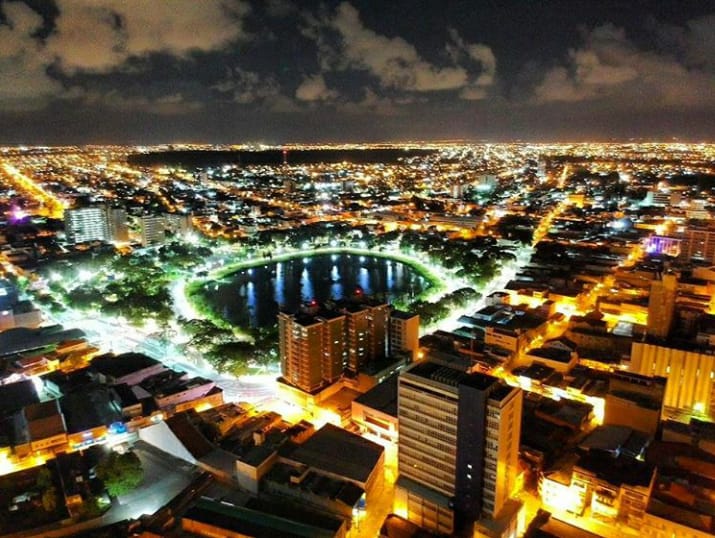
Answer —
450 376
338 451
121 365
382 397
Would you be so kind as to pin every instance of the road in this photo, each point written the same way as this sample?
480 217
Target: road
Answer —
164 478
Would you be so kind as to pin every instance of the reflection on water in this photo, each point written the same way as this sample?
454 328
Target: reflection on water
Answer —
253 296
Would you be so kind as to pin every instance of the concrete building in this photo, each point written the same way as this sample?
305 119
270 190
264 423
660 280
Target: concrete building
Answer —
311 349
404 334
117 224
690 374
342 455
178 223
366 331
635 401
320 343
86 224
126 368
153 229
698 242
661 305
458 449
375 412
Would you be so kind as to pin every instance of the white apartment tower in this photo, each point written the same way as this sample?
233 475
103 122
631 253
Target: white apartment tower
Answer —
86 224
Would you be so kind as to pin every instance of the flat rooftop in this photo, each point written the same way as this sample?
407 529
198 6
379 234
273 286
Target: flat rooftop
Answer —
382 397
446 375
121 365
338 451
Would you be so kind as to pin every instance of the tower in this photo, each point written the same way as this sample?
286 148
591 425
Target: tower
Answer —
404 333
459 446
86 224
311 349
117 224
661 305
153 229
366 333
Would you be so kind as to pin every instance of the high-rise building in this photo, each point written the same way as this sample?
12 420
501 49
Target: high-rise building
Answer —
117 224
661 305
178 223
86 224
311 348
153 229
404 333
366 334
698 242
320 343
458 447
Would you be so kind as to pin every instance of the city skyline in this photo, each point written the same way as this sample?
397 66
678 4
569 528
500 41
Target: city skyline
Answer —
238 71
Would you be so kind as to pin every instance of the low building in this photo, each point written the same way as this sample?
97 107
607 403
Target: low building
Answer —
375 412
127 368
635 401
326 451
212 518
560 360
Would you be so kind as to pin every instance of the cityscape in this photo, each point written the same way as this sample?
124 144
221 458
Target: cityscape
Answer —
491 339
357 269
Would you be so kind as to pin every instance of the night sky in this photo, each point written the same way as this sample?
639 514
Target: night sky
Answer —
273 71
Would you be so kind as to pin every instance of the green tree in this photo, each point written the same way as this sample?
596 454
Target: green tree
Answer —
121 473
44 479
49 499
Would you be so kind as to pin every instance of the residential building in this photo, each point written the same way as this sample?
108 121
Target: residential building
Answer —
153 229
635 401
117 224
661 305
86 224
404 334
698 242
311 349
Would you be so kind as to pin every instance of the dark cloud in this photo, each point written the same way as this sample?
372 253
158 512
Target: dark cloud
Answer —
609 66
354 69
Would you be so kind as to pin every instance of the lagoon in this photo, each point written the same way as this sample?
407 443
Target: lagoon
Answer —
252 297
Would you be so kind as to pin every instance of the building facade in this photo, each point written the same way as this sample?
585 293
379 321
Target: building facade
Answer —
690 374
698 242
86 224
312 349
153 229
404 333
458 449
661 305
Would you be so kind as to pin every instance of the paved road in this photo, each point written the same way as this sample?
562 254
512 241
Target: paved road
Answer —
165 477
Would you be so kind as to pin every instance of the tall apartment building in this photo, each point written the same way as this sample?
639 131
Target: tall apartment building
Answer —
153 229
312 348
178 223
366 333
117 224
404 333
86 224
458 448
661 305
698 242
319 343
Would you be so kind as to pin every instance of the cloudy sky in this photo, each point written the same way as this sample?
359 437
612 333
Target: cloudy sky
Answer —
152 71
